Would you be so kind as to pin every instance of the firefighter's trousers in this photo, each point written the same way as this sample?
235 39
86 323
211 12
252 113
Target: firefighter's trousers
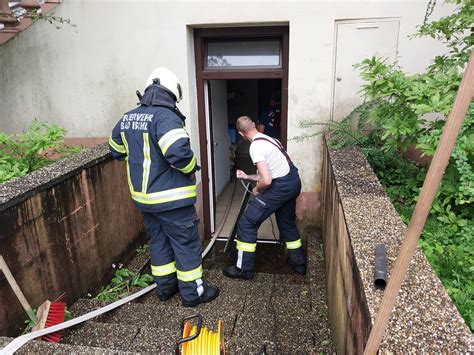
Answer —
175 250
279 198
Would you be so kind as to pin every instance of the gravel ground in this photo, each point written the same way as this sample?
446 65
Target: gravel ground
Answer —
275 312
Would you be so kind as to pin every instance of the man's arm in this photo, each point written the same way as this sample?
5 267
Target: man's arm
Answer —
116 145
173 141
241 175
265 178
262 122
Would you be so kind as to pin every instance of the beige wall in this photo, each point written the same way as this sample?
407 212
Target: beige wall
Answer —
84 78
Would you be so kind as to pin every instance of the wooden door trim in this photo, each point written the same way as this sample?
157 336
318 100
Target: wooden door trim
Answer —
202 74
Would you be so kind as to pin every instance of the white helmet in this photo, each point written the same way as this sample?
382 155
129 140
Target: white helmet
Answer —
166 78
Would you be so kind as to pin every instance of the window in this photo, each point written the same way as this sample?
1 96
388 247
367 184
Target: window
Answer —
244 53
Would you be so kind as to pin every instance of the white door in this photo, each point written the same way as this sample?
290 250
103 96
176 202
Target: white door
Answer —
220 135
356 41
209 154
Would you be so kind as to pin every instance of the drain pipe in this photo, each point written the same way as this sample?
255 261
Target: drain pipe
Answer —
380 273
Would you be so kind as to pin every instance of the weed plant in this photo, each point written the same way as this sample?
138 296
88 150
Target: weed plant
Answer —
41 144
121 284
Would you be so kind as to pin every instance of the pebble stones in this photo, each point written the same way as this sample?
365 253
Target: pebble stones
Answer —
424 318
21 188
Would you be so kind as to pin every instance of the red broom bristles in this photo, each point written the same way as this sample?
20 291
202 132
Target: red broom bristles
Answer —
56 314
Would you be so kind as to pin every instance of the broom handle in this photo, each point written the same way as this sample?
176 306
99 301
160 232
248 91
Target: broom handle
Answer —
430 186
16 290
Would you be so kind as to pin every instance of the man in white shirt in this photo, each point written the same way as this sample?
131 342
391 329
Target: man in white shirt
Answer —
278 186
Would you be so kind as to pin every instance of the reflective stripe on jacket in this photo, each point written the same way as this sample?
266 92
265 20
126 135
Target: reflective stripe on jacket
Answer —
153 142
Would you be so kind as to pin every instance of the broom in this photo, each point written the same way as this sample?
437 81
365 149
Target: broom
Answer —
49 313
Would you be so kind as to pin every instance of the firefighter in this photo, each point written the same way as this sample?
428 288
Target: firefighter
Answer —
160 167
269 120
278 186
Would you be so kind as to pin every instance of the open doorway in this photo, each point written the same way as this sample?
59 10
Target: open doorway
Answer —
237 71
228 100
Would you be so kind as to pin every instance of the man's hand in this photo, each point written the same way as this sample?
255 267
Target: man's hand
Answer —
241 175
255 191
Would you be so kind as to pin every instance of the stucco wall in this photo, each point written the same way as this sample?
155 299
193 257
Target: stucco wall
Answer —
85 77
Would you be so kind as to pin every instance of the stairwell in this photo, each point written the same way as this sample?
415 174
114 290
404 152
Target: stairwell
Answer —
274 313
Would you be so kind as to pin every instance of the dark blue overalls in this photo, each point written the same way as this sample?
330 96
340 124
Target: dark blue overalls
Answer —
175 250
279 198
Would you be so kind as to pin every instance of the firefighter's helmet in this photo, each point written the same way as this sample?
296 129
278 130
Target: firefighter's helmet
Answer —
166 78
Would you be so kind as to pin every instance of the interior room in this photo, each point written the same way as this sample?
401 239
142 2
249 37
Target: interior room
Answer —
230 99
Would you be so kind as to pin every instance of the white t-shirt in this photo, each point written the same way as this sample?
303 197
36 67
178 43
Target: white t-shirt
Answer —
261 150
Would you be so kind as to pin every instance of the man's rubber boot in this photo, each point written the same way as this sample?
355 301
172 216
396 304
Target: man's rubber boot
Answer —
210 293
235 273
298 268
165 296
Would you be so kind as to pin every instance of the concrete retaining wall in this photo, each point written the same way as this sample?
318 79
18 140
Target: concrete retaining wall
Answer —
350 316
62 227
357 215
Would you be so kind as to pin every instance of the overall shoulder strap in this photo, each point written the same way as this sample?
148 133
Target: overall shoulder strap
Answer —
278 145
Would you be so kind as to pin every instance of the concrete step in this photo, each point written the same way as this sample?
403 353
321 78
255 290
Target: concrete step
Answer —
139 263
42 347
253 312
85 305
277 313
123 337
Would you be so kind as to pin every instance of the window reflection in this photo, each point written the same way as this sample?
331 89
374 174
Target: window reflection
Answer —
244 54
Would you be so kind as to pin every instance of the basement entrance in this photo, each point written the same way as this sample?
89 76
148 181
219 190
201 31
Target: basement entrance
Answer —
228 100
237 72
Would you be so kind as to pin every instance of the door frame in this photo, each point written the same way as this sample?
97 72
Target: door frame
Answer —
201 36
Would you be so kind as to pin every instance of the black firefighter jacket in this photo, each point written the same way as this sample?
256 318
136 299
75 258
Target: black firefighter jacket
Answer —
155 145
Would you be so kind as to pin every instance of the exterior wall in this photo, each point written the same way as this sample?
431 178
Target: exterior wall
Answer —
62 228
84 78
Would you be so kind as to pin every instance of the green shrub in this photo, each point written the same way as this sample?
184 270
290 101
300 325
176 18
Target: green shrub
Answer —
393 118
33 149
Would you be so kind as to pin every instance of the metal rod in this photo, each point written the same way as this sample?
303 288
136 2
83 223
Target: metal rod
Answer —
259 241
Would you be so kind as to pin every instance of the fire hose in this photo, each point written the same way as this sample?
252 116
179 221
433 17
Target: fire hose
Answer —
18 342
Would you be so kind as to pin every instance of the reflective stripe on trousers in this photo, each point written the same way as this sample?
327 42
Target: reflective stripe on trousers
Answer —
190 275
163 270
174 235
294 245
